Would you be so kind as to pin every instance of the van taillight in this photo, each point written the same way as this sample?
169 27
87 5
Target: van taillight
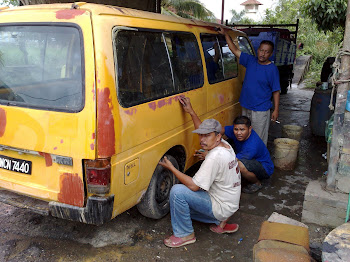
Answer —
98 175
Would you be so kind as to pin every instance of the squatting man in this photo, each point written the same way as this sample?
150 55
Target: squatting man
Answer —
213 194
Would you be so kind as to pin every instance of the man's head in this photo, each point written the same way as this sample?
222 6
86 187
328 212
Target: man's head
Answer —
242 128
265 51
209 133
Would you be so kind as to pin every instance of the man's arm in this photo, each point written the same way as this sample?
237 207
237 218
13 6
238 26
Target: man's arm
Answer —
234 49
183 178
276 101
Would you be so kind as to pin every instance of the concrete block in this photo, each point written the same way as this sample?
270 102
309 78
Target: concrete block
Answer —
321 219
343 183
322 207
344 164
278 218
315 192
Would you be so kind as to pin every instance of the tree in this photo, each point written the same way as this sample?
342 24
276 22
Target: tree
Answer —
236 17
192 9
285 12
327 14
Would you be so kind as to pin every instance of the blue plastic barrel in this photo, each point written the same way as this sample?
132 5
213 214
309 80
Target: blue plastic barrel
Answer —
319 111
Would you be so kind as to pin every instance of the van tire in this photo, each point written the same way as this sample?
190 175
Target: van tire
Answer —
155 203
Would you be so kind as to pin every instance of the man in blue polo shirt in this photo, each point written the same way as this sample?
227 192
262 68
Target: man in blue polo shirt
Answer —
254 162
254 159
261 83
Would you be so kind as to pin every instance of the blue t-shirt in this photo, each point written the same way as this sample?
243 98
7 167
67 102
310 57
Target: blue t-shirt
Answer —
252 148
259 83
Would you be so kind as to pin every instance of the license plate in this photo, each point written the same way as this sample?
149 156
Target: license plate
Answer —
16 165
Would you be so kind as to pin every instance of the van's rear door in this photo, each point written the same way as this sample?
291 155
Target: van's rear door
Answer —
47 102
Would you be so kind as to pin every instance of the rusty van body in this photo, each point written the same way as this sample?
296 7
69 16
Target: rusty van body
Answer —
89 105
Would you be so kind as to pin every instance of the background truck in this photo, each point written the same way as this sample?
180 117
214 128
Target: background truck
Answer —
284 37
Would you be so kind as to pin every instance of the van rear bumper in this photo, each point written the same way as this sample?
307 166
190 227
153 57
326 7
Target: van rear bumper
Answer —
97 211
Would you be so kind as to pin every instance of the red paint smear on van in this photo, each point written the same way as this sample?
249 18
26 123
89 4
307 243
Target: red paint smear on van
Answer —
93 91
71 190
221 99
93 135
152 105
130 111
2 121
161 103
105 124
61 141
48 159
68 13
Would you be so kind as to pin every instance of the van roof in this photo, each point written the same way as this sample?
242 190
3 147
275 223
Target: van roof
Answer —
99 9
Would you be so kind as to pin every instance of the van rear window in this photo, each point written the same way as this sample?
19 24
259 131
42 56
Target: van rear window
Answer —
151 65
41 67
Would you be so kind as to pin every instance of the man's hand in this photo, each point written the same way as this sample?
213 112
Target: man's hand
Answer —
186 104
274 115
165 162
201 154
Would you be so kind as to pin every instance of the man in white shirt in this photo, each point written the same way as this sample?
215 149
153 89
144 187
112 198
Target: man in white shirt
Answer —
212 195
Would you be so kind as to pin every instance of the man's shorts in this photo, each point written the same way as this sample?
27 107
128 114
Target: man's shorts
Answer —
255 167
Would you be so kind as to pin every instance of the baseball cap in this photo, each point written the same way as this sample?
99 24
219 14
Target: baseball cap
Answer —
208 126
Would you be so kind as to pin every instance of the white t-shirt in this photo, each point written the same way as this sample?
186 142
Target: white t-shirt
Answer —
220 176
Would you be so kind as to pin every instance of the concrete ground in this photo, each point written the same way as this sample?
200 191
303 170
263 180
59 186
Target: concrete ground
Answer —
26 236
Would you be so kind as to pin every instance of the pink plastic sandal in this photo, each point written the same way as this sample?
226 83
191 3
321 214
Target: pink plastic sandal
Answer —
229 228
174 241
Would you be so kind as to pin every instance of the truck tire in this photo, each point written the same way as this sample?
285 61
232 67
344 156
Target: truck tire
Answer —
155 203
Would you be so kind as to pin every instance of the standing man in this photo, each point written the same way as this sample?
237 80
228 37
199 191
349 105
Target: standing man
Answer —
261 82
212 195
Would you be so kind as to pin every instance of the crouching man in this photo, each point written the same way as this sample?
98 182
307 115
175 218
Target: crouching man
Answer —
254 162
212 195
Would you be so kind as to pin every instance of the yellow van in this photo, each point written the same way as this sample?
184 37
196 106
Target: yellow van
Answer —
89 105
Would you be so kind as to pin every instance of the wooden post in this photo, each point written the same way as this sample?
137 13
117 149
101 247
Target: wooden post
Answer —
222 11
339 112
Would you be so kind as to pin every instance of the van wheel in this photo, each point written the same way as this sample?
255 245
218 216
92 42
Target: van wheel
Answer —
155 202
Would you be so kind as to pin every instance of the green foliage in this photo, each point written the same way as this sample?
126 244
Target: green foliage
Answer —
327 14
10 2
285 11
318 44
192 9
236 17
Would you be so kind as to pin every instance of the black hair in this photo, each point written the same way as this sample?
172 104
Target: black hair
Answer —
267 42
242 120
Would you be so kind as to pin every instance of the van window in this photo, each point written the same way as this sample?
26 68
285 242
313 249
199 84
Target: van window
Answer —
244 45
152 65
185 60
41 67
221 63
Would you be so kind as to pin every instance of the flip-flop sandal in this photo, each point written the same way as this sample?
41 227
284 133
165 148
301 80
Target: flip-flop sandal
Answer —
229 228
174 241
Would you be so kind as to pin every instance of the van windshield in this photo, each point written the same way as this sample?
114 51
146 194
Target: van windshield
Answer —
41 67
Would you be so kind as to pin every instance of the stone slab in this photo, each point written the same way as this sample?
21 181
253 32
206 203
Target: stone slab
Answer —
336 246
278 218
321 219
343 183
322 207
